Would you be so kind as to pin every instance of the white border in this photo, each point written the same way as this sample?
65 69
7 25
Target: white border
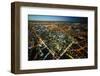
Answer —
25 64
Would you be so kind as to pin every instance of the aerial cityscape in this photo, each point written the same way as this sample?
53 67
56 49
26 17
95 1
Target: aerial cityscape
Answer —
57 37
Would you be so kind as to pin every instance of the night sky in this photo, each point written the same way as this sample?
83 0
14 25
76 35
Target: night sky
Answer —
57 18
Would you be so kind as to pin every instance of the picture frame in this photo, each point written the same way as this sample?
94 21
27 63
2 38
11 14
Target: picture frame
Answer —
22 15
